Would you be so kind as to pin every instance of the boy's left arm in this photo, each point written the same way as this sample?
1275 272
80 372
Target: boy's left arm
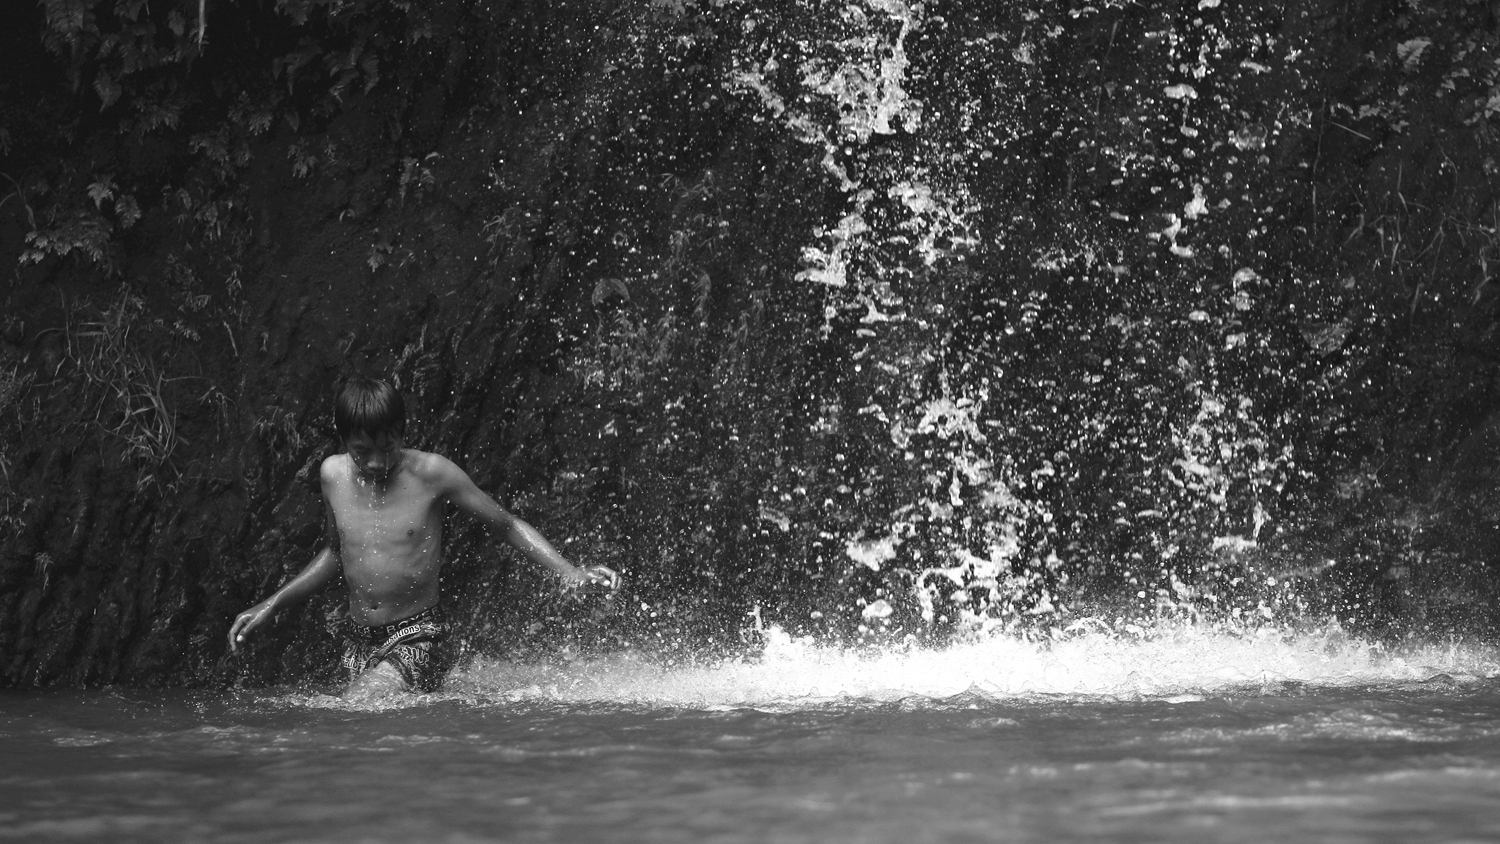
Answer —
468 497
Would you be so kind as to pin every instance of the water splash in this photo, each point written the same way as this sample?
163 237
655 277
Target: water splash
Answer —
1169 662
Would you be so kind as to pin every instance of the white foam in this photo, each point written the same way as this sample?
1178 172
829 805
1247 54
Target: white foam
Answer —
1175 662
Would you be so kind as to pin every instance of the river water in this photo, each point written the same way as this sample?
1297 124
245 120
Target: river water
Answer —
1165 735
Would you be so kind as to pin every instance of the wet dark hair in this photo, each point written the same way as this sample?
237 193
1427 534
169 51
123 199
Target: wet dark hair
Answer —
370 406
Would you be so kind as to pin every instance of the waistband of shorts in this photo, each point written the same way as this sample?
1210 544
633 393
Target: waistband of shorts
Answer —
381 632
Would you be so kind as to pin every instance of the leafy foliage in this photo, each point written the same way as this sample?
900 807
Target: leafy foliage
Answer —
129 386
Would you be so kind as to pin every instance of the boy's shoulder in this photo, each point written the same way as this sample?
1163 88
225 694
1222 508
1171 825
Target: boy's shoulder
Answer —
334 465
429 466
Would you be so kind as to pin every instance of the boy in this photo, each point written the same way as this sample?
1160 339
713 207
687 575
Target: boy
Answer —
384 506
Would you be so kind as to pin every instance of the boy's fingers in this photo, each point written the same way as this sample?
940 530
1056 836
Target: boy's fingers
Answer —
237 631
591 583
595 580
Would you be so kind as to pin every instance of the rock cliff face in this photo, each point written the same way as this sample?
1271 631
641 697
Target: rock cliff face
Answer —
877 322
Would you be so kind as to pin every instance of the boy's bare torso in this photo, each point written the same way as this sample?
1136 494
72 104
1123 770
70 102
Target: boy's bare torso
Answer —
384 504
389 535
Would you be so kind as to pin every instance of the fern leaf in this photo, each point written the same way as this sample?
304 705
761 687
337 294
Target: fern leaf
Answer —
67 18
371 67
107 89
101 190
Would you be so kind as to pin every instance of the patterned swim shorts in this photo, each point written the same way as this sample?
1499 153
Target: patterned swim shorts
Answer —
414 646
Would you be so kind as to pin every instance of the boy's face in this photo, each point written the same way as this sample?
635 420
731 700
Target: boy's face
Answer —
374 457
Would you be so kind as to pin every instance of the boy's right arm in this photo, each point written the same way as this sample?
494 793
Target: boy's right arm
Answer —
317 574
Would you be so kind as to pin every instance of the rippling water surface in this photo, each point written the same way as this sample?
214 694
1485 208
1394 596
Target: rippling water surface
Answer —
1176 737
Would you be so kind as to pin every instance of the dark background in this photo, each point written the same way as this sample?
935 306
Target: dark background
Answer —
1050 387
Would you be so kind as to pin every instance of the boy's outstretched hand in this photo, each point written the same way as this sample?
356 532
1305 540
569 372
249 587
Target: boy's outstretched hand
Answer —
247 621
596 580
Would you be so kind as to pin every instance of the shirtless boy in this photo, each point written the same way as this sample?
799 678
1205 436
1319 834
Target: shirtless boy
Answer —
384 506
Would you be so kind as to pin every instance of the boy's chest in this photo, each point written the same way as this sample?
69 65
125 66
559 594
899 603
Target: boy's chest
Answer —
386 516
